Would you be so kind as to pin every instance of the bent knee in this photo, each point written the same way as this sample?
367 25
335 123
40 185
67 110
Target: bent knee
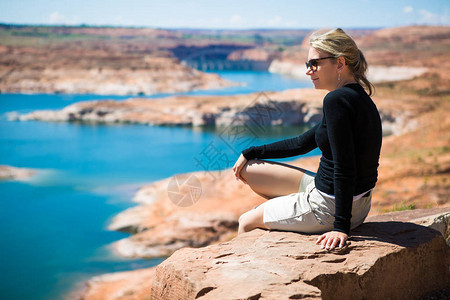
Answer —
251 219
245 223
243 219
250 168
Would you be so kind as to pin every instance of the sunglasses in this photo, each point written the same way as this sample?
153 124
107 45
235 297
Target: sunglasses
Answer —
312 63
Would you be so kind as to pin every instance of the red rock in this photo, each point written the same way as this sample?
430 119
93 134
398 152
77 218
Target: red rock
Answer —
385 260
244 256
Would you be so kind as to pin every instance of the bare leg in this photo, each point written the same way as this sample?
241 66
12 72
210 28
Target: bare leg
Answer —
252 219
270 180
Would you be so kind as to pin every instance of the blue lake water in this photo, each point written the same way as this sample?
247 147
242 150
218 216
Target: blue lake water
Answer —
53 233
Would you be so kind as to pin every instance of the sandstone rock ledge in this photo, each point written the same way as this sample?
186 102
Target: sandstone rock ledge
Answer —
385 260
392 243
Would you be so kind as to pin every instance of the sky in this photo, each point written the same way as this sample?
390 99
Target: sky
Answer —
228 14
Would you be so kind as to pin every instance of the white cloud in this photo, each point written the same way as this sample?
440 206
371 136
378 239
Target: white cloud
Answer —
427 17
56 18
408 9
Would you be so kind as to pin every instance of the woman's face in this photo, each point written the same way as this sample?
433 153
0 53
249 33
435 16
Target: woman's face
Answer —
325 77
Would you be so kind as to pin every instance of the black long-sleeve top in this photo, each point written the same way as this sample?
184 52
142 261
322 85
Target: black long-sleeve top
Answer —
349 137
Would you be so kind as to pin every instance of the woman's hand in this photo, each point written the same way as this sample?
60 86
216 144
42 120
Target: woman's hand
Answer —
237 168
331 239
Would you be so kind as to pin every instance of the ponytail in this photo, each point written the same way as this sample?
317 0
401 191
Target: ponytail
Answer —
359 72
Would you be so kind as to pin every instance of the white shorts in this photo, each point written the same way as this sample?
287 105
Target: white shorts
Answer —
309 211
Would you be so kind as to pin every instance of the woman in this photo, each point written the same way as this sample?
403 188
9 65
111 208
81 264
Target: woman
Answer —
337 198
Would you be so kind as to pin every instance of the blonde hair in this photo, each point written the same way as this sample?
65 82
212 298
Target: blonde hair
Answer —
337 43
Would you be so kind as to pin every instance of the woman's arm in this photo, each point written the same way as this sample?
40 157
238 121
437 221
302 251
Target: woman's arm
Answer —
339 116
238 166
299 145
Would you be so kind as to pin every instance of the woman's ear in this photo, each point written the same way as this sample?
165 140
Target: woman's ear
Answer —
341 63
